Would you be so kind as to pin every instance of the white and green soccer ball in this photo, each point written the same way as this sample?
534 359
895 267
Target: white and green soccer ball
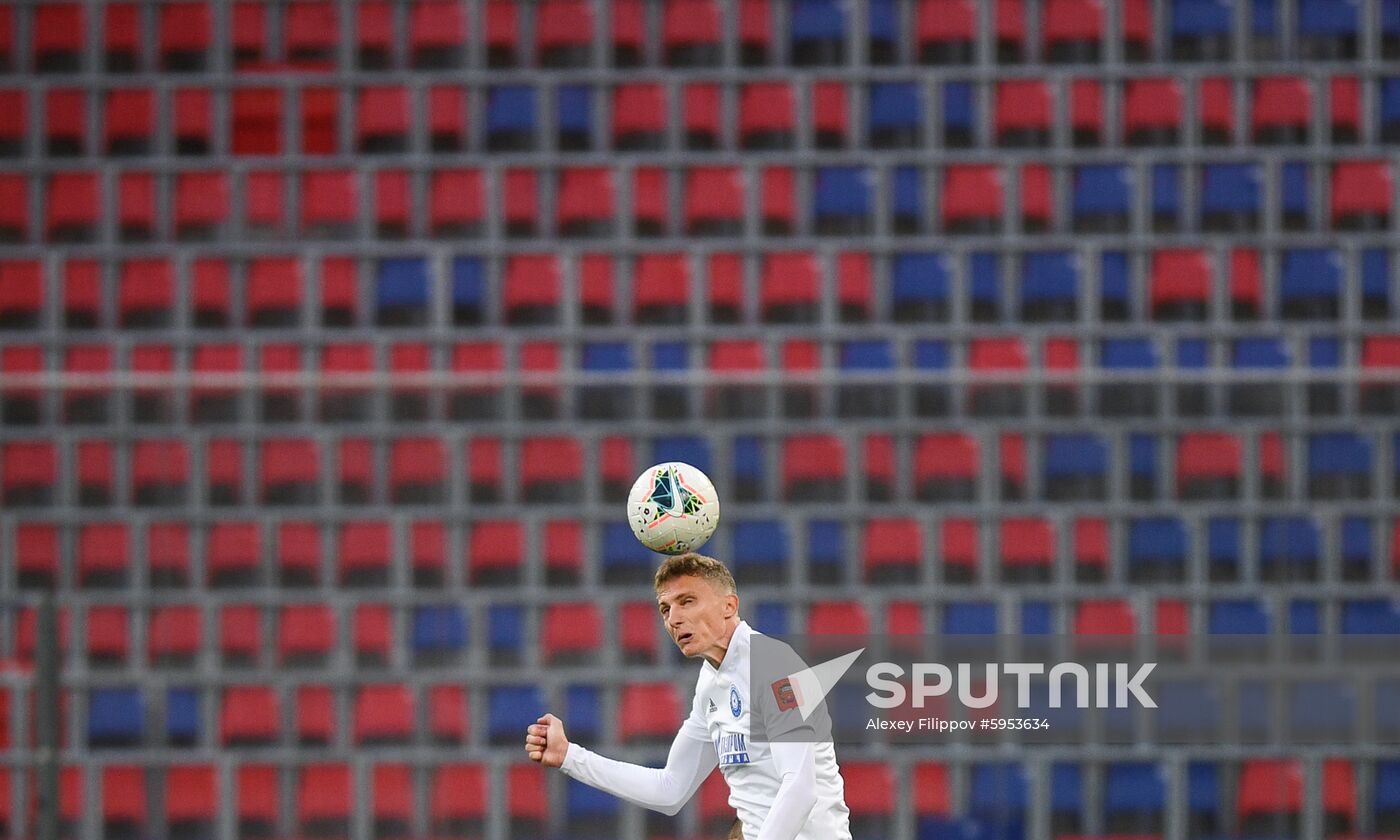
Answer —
673 508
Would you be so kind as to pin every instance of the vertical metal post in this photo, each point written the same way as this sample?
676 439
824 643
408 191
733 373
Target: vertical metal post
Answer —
46 713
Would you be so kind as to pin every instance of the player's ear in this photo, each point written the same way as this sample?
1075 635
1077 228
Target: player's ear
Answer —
731 605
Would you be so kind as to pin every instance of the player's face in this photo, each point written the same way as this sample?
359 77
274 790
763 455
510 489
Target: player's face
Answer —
695 613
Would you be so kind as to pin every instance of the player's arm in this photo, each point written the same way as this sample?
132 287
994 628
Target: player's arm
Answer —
797 792
665 789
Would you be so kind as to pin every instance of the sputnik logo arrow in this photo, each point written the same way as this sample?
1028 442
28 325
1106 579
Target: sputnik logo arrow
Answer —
811 684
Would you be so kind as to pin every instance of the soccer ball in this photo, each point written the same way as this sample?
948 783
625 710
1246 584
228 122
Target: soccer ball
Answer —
673 508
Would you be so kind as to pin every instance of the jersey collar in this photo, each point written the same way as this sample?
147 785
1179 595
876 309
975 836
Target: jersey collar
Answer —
737 643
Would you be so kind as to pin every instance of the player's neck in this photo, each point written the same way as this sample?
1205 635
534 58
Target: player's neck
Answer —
715 655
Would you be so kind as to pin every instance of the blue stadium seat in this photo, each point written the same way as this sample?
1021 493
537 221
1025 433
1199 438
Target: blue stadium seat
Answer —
625 560
1037 618
1166 197
826 551
505 634
1371 617
591 813
468 291
842 205
772 617
1203 798
1324 395
750 469
511 118
1050 286
1157 549
970 619
997 800
116 717
1390 28
1311 286
907 213
895 116
182 717
671 401
1231 197
1142 467
818 32
606 400
1322 711
984 292
1201 29
1289 548
1255 398
959 117
1115 287
1263 21
1128 399
882 31
1375 284
1066 798
574 120
1134 798
1390 109
1193 399
439 633
1304 618
1238 618
1357 559
402 292
919 287
510 709
1327 29
1293 191
1076 467
1339 466
1223 548
858 396
584 706
684 448
1387 795
1103 198
931 399
760 551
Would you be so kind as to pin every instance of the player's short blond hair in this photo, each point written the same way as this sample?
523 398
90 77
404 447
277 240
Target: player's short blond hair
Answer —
698 565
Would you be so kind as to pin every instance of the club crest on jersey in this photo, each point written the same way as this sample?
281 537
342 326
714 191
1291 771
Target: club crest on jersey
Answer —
784 693
736 706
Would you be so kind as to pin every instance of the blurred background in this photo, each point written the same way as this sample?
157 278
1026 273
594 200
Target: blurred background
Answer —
332 335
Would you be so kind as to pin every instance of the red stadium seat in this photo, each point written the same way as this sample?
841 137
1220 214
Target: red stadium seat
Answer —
1273 466
661 289
1061 358
36 555
586 205
14 123
551 469
1138 27
153 404
147 293
108 636
280 403
1380 361
540 400
1090 549
447 718
456 203
1104 617
264 211
323 800
21 405
374 35
129 122
1023 113
458 798
650 202
1246 285
527 801
1282 110
217 401
168 554
879 468
223 468
306 635
639 117
57 37
485 471
1270 796
256 121
571 634
364 551
520 207
1344 109
342 398
767 115
89 403
160 473
729 361
372 635
251 715
628 32
393 207
790 291
1010 27
715 814
1180 283
972 198
892 551
193 121
289 471
870 790
502 24
447 119
381 119
1086 112
320 123
701 116
1152 110
946 31
384 714
95 473
830 122
185 31
755 27
1208 466
597 292
299 554
564 33
837 618
391 794
496 552
417 471
233 552
801 361
1361 195
946 467
437 34
104 555
329 203
427 553
248 35
616 468
201 208
932 792
7 64
1216 103
65 123
636 633
191 799
1001 357
339 292
648 713
1027 550
814 469
1037 199
484 361
73 203
778 201
136 206
691 33
714 201
258 800
1073 30
563 552
124 801
311 32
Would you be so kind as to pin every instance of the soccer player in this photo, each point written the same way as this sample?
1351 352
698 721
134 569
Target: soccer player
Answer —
781 789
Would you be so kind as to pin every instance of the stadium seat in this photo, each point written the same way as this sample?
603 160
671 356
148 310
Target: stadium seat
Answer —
814 469
1075 468
26 406
36 555
1134 798
892 551
1005 396
323 800
842 203
479 398
879 468
1361 195
383 714
305 635
895 116
485 472
864 364
1157 550
1103 198
571 634
22 294
1282 110
30 473
826 551
760 551
427 553
439 634
495 552
363 553
1022 116
1339 466
714 202
250 716
505 631
767 116
1258 398
1152 111
1289 548
14 133
574 118
997 799
972 199
104 555
65 123
95 472
946 467
1209 466
1231 197
372 635
602 396
1027 549
585 204
1379 354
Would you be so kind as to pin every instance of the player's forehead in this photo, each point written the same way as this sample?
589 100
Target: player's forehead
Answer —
682 585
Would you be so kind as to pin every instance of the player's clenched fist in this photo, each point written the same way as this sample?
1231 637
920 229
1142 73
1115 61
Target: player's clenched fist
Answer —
545 741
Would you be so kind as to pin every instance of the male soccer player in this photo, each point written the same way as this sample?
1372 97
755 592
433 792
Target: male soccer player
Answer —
786 789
